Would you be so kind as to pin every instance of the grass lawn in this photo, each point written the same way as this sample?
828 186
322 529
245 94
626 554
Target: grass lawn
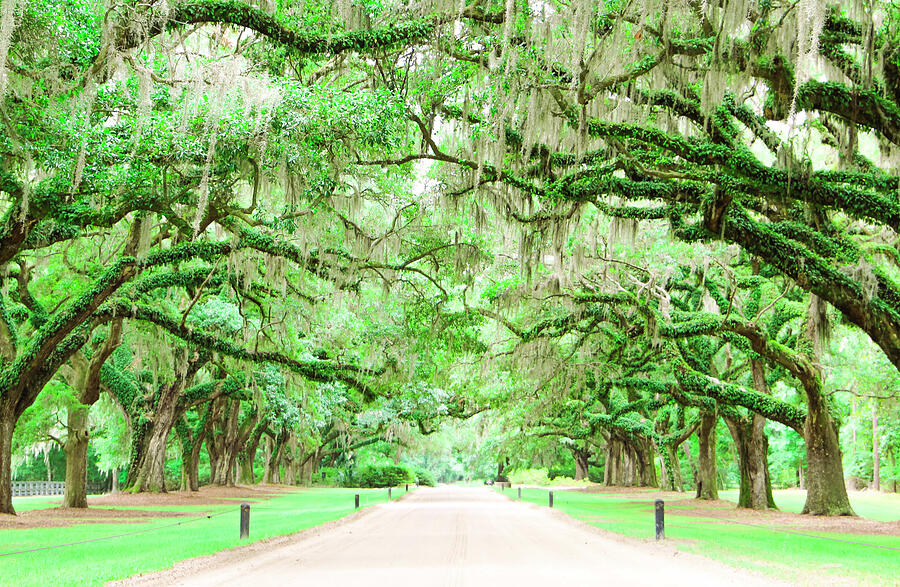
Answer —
805 559
884 507
161 542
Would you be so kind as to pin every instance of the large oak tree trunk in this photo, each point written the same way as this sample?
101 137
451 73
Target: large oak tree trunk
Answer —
7 425
707 483
642 449
614 471
501 469
247 455
670 466
751 445
194 471
826 493
581 463
191 445
76 450
273 467
629 462
151 469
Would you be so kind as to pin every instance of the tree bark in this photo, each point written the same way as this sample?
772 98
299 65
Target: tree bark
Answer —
707 483
893 462
629 462
273 467
670 468
752 447
501 469
151 469
247 455
581 463
7 425
76 449
194 471
191 444
826 493
642 450
613 473
876 452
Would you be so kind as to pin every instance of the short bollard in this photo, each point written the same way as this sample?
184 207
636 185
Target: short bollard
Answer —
520 493
245 520
356 501
323 475
389 494
660 519
407 486
551 499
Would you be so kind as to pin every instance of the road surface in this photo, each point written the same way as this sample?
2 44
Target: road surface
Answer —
455 536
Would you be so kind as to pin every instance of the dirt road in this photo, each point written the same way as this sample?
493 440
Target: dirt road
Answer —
455 536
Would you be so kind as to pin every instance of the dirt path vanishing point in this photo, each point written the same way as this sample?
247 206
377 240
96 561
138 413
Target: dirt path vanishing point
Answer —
454 536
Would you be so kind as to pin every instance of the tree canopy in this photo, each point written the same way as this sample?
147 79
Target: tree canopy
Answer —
612 228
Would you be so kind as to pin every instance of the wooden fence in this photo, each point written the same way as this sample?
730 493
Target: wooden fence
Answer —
25 488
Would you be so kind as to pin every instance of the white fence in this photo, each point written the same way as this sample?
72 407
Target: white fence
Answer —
23 488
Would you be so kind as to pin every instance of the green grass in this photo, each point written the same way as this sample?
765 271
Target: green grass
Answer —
787 556
884 507
161 543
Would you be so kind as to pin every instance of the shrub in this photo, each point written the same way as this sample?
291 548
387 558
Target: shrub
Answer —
333 476
425 477
383 476
530 477
561 471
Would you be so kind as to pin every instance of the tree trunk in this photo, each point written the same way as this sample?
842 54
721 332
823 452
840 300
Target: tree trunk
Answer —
213 456
893 462
707 487
668 482
614 473
7 425
267 457
826 493
670 467
194 471
247 455
191 444
752 448
289 458
642 455
876 452
151 471
629 462
501 469
76 449
581 463
273 467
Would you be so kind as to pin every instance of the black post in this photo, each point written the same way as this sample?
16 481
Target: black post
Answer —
245 520
389 494
357 501
407 487
660 520
520 493
551 499
323 475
